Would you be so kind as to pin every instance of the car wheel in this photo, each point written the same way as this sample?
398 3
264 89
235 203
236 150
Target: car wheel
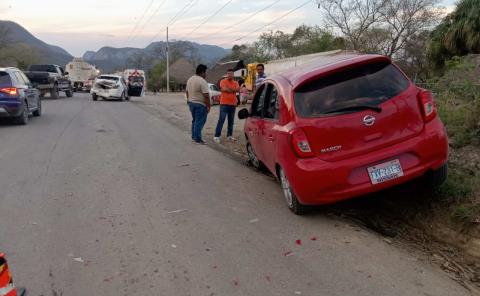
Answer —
94 97
437 177
54 92
253 159
292 202
38 112
69 92
22 119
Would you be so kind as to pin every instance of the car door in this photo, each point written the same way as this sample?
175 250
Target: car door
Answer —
62 80
33 91
23 86
268 129
254 122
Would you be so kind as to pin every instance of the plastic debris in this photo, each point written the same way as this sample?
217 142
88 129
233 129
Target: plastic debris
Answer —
298 242
313 238
79 259
298 293
254 220
183 165
288 254
178 211
174 246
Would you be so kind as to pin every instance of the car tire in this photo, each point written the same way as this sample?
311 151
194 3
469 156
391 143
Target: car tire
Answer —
54 94
292 201
94 97
253 159
38 112
69 92
22 119
437 177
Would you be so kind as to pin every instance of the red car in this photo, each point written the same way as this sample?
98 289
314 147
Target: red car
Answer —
344 126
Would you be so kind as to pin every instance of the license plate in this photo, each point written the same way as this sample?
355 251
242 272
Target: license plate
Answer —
385 171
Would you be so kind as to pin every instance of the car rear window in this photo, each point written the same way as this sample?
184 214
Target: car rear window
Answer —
112 78
5 78
43 68
369 84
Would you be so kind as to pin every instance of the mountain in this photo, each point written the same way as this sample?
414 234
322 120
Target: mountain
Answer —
16 36
110 59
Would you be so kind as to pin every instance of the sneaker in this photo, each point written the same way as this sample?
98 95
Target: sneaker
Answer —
231 139
216 140
201 142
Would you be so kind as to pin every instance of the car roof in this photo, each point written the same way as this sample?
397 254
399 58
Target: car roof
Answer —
323 64
110 75
5 69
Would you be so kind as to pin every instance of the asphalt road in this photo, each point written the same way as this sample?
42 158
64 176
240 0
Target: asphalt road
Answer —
88 197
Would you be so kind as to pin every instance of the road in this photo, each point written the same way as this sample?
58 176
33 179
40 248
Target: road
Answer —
103 198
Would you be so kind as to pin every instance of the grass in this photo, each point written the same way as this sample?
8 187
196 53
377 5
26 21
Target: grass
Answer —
457 95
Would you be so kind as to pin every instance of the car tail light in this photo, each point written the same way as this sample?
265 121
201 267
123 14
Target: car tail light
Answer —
300 143
9 91
427 104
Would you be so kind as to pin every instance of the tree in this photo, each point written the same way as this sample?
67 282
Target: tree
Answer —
457 35
154 78
353 18
380 26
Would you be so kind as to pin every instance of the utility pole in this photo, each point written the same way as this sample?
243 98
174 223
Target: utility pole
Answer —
168 66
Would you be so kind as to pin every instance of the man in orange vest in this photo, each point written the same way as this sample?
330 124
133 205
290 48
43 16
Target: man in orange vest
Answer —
228 103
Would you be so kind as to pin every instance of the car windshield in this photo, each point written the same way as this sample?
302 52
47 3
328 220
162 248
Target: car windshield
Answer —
350 90
135 79
112 78
43 68
5 78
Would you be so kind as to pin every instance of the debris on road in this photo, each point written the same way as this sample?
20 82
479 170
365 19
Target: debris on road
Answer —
177 211
254 220
313 238
174 246
298 242
183 165
79 259
288 254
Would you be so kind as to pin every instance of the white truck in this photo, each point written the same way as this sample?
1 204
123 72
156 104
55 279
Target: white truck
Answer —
136 82
82 74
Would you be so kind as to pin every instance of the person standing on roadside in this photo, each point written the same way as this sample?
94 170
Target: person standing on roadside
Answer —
260 75
228 103
198 99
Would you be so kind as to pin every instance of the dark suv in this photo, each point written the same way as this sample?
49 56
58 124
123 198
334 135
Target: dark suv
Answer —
18 97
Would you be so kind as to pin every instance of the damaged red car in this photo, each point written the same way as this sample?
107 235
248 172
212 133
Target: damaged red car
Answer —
344 126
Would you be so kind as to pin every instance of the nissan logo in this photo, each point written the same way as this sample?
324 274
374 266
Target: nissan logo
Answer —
369 120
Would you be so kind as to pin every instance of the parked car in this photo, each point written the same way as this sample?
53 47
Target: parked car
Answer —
18 98
109 87
136 82
50 79
215 94
344 126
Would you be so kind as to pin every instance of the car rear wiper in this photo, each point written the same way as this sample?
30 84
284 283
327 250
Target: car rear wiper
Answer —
355 108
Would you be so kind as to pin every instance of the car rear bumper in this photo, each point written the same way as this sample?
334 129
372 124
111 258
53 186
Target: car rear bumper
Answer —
108 93
10 108
315 181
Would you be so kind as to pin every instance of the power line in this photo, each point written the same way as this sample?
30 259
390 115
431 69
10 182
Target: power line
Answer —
210 17
151 16
247 18
176 17
139 20
182 12
272 22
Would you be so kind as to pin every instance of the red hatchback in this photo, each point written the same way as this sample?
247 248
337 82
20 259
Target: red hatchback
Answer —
343 126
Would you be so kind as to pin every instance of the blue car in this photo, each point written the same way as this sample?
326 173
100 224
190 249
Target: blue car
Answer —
18 97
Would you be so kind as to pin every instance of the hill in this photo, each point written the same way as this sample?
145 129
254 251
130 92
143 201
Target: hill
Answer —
110 59
15 36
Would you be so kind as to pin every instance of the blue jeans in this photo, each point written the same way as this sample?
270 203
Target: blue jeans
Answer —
199 117
225 110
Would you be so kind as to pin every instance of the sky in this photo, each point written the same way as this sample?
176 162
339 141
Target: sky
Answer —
78 26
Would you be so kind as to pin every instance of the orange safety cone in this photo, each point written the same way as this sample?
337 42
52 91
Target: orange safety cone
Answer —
7 288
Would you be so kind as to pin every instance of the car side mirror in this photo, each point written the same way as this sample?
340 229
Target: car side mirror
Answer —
243 114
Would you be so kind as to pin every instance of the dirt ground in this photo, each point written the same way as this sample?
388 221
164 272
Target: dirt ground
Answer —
402 215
